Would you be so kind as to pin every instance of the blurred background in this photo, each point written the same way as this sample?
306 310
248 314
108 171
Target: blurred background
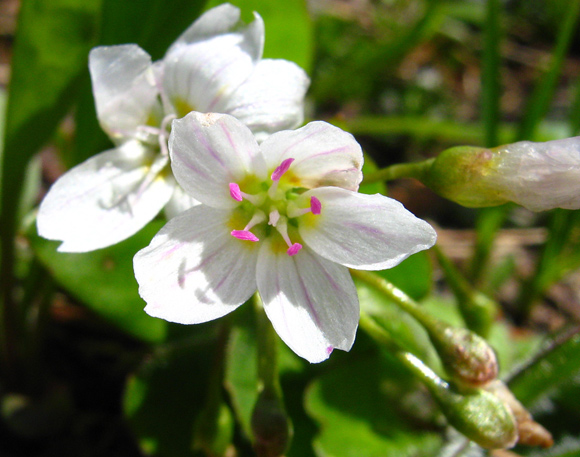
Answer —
92 375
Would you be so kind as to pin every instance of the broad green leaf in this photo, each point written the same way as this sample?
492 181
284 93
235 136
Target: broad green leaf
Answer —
104 281
288 28
370 408
164 398
558 364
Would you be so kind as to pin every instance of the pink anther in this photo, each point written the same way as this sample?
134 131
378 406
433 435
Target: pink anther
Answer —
245 235
281 169
293 250
315 205
235 192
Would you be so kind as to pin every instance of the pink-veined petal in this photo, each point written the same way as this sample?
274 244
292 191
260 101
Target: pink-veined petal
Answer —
367 232
210 151
311 302
200 74
194 271
271 99
538 176
124 89
104 200
324 155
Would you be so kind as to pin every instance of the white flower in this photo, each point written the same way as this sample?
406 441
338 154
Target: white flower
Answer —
214 66
283 218
538 176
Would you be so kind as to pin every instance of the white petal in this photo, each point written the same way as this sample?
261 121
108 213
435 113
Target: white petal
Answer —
179 202
216 21
209 151
104 200
539 176
272 99
323 155
124 88
367 232
199 74
194 271
311 302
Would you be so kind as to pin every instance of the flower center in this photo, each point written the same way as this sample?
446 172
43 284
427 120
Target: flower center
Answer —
274 207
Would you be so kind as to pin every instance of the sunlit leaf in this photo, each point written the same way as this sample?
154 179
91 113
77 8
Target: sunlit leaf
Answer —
369 408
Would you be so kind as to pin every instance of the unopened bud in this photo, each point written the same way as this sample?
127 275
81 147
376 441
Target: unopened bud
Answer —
466 356
270 425
479 415
530 432
538 176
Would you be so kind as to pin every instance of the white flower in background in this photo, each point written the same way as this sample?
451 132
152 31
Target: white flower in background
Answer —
283 218
214 66
538 176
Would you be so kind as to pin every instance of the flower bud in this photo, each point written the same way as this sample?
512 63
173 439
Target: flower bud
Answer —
466 356
479 415
538 176
530 432
270 424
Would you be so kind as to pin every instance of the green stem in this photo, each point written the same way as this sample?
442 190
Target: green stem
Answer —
415 170
410 361
267 350
477 310
398 297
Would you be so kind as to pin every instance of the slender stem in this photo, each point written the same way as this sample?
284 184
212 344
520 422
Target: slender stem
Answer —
267 350
398 297
476 308
401 170
410 361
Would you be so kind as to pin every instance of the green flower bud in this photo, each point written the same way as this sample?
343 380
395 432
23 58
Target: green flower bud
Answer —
466 356
479 415
460 175
530 432
271 426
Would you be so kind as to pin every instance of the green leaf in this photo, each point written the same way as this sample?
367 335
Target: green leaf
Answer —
104 281
151 24
558 363
288 28
164 398
371 408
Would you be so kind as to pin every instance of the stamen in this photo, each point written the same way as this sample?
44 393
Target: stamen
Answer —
293 211
281 169
282 228
235 192
244 235
164 134
293 250
315 205
238 195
